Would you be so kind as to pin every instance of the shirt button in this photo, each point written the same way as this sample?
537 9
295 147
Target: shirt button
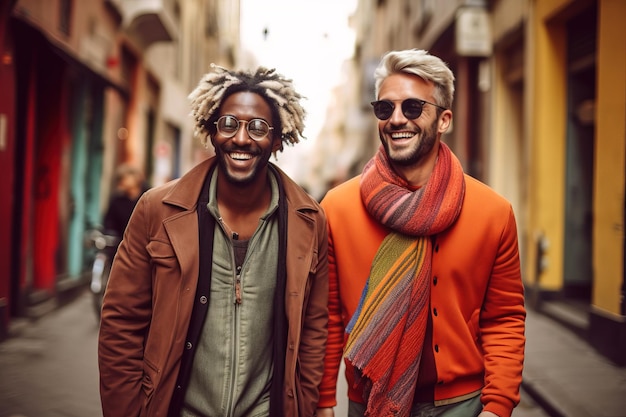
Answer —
203 299
188 345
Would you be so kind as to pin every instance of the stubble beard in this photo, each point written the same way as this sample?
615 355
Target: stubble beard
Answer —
236 180
421 148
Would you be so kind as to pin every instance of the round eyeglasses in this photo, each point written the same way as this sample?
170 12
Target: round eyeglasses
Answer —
411 108
228 126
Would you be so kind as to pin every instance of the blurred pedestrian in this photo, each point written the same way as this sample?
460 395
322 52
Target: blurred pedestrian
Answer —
129 185
424 272
217 301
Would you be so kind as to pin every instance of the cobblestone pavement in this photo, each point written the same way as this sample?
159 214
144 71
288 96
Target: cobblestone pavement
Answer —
48 367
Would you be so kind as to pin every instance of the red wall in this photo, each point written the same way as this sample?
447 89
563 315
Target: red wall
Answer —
7 167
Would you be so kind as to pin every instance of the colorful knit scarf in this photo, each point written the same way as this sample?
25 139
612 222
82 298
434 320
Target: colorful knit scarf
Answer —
386 333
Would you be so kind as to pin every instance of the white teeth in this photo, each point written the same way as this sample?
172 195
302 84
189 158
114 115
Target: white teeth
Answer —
402 135
240 156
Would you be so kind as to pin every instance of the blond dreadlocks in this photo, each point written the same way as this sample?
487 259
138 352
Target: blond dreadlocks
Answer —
278 91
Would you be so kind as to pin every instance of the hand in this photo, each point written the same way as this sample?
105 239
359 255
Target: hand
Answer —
483 414
325 412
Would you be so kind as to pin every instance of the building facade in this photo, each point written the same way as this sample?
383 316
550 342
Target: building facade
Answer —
87 86
539 115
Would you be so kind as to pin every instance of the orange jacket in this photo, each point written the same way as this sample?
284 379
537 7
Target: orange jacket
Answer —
477 296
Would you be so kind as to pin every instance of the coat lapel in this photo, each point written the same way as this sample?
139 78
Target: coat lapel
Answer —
182 228
182 231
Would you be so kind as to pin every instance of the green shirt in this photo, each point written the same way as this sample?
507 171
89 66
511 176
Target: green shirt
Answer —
232 368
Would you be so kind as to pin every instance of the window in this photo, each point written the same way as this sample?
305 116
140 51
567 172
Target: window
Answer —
65 16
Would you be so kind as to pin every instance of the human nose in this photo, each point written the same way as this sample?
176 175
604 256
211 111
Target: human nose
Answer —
397 116
242 133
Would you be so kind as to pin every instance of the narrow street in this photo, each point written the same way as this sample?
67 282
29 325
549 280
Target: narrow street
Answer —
48 367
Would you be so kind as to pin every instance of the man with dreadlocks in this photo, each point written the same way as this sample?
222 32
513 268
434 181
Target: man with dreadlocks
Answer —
217 300
424 275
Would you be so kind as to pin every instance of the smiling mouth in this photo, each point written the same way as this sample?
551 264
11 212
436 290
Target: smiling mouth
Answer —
238 156
402 135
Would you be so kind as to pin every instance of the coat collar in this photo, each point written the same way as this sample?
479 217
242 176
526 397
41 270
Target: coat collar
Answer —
186 190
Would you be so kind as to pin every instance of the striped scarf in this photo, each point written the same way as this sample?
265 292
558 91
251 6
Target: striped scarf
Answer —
386 333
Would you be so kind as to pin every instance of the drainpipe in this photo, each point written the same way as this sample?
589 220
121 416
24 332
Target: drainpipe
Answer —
541 264
623 295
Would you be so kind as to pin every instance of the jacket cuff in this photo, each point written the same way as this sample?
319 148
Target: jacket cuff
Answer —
501 409
327 401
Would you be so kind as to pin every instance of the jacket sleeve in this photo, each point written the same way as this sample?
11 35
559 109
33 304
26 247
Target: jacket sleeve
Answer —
314 326
125 319
502 326
334 345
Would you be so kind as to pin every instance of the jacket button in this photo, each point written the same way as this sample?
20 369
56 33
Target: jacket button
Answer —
203 299
436 348
437 248
435 312
188 345
435 280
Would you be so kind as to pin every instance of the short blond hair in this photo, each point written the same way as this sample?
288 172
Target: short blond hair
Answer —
426 66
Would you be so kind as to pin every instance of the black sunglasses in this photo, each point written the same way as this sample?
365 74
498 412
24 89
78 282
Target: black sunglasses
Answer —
411 108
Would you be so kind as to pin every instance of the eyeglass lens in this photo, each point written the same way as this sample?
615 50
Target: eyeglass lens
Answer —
229 125
411 108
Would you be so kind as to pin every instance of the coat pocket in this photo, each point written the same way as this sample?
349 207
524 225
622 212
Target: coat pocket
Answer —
147 385
162 255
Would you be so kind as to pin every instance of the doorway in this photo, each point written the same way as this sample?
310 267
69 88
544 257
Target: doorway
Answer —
580 143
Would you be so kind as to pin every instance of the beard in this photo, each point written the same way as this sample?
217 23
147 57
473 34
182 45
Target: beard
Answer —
239 178
418 150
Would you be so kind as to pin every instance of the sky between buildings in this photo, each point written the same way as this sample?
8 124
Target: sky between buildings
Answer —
307 41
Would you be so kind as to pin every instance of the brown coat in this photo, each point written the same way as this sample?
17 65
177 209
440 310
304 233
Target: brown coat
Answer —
150 295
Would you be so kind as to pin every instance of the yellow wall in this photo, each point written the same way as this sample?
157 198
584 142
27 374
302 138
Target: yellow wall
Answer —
608 236
547 98
547 139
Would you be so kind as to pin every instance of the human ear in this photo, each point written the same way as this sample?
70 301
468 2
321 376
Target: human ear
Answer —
277 144
445 119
